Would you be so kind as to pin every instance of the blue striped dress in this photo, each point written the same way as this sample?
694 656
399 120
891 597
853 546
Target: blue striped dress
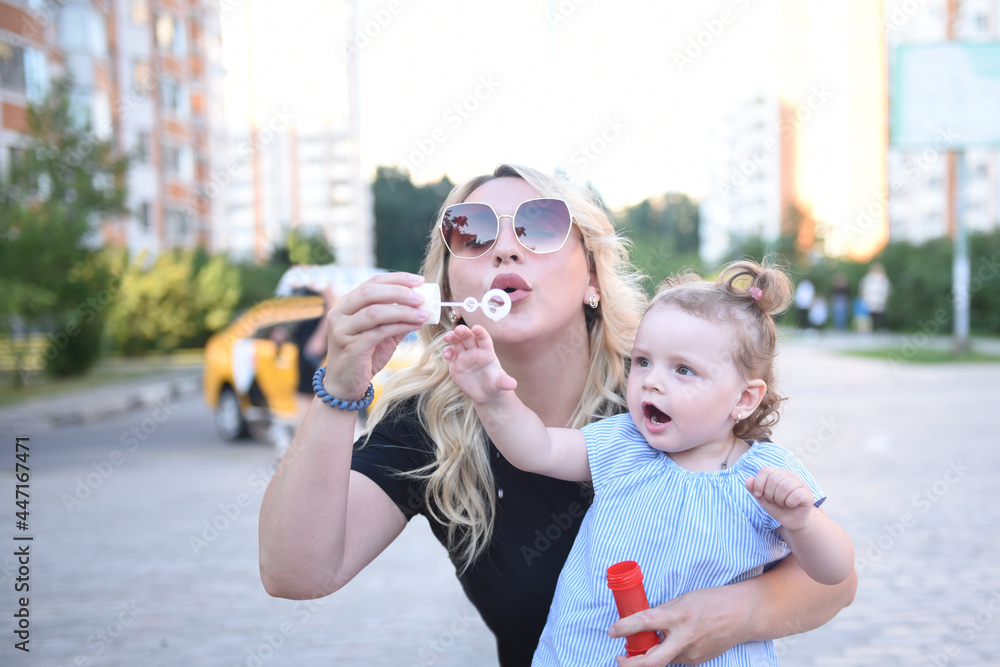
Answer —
687 530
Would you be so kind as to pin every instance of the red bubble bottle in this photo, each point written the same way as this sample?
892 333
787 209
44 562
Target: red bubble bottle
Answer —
625 582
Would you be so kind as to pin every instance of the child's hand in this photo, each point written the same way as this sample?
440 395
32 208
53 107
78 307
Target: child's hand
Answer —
474 365
784 496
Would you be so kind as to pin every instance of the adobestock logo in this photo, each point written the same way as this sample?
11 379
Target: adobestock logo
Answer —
372 28
893 532
914 167
590 151
104 469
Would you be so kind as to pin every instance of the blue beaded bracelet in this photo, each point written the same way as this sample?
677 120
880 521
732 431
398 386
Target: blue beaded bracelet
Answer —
340 403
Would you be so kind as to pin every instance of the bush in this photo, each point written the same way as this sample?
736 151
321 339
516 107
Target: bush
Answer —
75 347
176 301
922 284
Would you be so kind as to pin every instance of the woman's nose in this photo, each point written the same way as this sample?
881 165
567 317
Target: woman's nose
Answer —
507 247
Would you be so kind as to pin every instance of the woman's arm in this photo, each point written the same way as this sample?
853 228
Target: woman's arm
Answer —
320 523
703 624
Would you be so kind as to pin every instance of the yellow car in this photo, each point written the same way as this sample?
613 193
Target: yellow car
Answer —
251 368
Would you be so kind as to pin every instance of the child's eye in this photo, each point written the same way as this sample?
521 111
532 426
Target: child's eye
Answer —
684 370
641 362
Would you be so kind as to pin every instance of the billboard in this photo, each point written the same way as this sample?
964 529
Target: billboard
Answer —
945 94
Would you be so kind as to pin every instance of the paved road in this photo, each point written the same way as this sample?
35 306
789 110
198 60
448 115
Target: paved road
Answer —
145 552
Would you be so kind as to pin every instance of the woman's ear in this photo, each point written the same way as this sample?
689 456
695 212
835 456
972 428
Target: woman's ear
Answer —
751 397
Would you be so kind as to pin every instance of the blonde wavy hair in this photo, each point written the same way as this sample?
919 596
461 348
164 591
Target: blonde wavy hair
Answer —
748 296
460 490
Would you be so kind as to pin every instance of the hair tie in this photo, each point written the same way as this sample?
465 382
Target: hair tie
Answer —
756 293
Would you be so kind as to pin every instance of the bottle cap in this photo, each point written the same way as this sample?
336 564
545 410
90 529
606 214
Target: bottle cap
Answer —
624 575
432 301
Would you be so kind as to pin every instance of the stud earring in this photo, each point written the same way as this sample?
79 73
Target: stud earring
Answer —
594 300
738 417
453 316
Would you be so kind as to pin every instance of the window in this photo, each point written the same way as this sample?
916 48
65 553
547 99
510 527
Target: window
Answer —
100 110
12 76
142 146
171 35
175 226
170 160
145 216
36 75
83 29
173 98
178 162
139 11
179 44
142 77
23 70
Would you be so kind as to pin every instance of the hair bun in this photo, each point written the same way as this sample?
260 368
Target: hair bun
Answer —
765 284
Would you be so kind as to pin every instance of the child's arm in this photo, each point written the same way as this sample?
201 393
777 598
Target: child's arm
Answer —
821 546
516 431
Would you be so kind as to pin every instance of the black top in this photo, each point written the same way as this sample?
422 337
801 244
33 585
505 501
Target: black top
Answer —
537 519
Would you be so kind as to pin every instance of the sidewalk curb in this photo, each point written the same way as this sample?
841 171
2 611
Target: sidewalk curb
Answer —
43 415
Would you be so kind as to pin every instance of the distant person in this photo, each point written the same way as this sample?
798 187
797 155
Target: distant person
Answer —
875 289
862 320
818 312
309 337
840 301
804 293
334 504
692 456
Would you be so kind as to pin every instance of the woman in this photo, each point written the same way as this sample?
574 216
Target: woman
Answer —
329 511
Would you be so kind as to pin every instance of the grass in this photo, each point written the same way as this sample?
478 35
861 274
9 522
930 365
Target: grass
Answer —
106 371
925 355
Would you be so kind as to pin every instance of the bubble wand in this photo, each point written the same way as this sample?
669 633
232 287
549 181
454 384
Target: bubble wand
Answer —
495 303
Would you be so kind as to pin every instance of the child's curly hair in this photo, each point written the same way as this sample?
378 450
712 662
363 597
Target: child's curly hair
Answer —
747 295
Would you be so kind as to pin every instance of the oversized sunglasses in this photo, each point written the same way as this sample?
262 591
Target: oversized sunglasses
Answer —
470 229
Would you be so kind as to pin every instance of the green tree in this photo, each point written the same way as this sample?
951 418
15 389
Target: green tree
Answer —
664 235
176 300
404 216
309 247
216 294
64 182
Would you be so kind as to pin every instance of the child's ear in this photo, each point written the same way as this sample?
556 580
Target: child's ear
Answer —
751 397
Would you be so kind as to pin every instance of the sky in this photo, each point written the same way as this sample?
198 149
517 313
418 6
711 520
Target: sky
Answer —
625 94
600 89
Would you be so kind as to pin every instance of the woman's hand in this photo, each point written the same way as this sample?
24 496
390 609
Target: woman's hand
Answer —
695 627
364 328
703 624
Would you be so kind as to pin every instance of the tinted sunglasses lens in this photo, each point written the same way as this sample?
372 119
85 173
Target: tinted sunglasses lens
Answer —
542 225
469 229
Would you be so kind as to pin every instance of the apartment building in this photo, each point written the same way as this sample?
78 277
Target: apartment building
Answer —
753 176
147 77
812 138
28 53
292 159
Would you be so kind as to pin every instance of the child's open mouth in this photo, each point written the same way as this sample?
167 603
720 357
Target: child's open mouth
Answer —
654 415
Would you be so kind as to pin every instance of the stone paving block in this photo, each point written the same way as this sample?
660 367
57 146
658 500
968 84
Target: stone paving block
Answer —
906 454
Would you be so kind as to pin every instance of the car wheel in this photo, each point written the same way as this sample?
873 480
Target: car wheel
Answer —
229 420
